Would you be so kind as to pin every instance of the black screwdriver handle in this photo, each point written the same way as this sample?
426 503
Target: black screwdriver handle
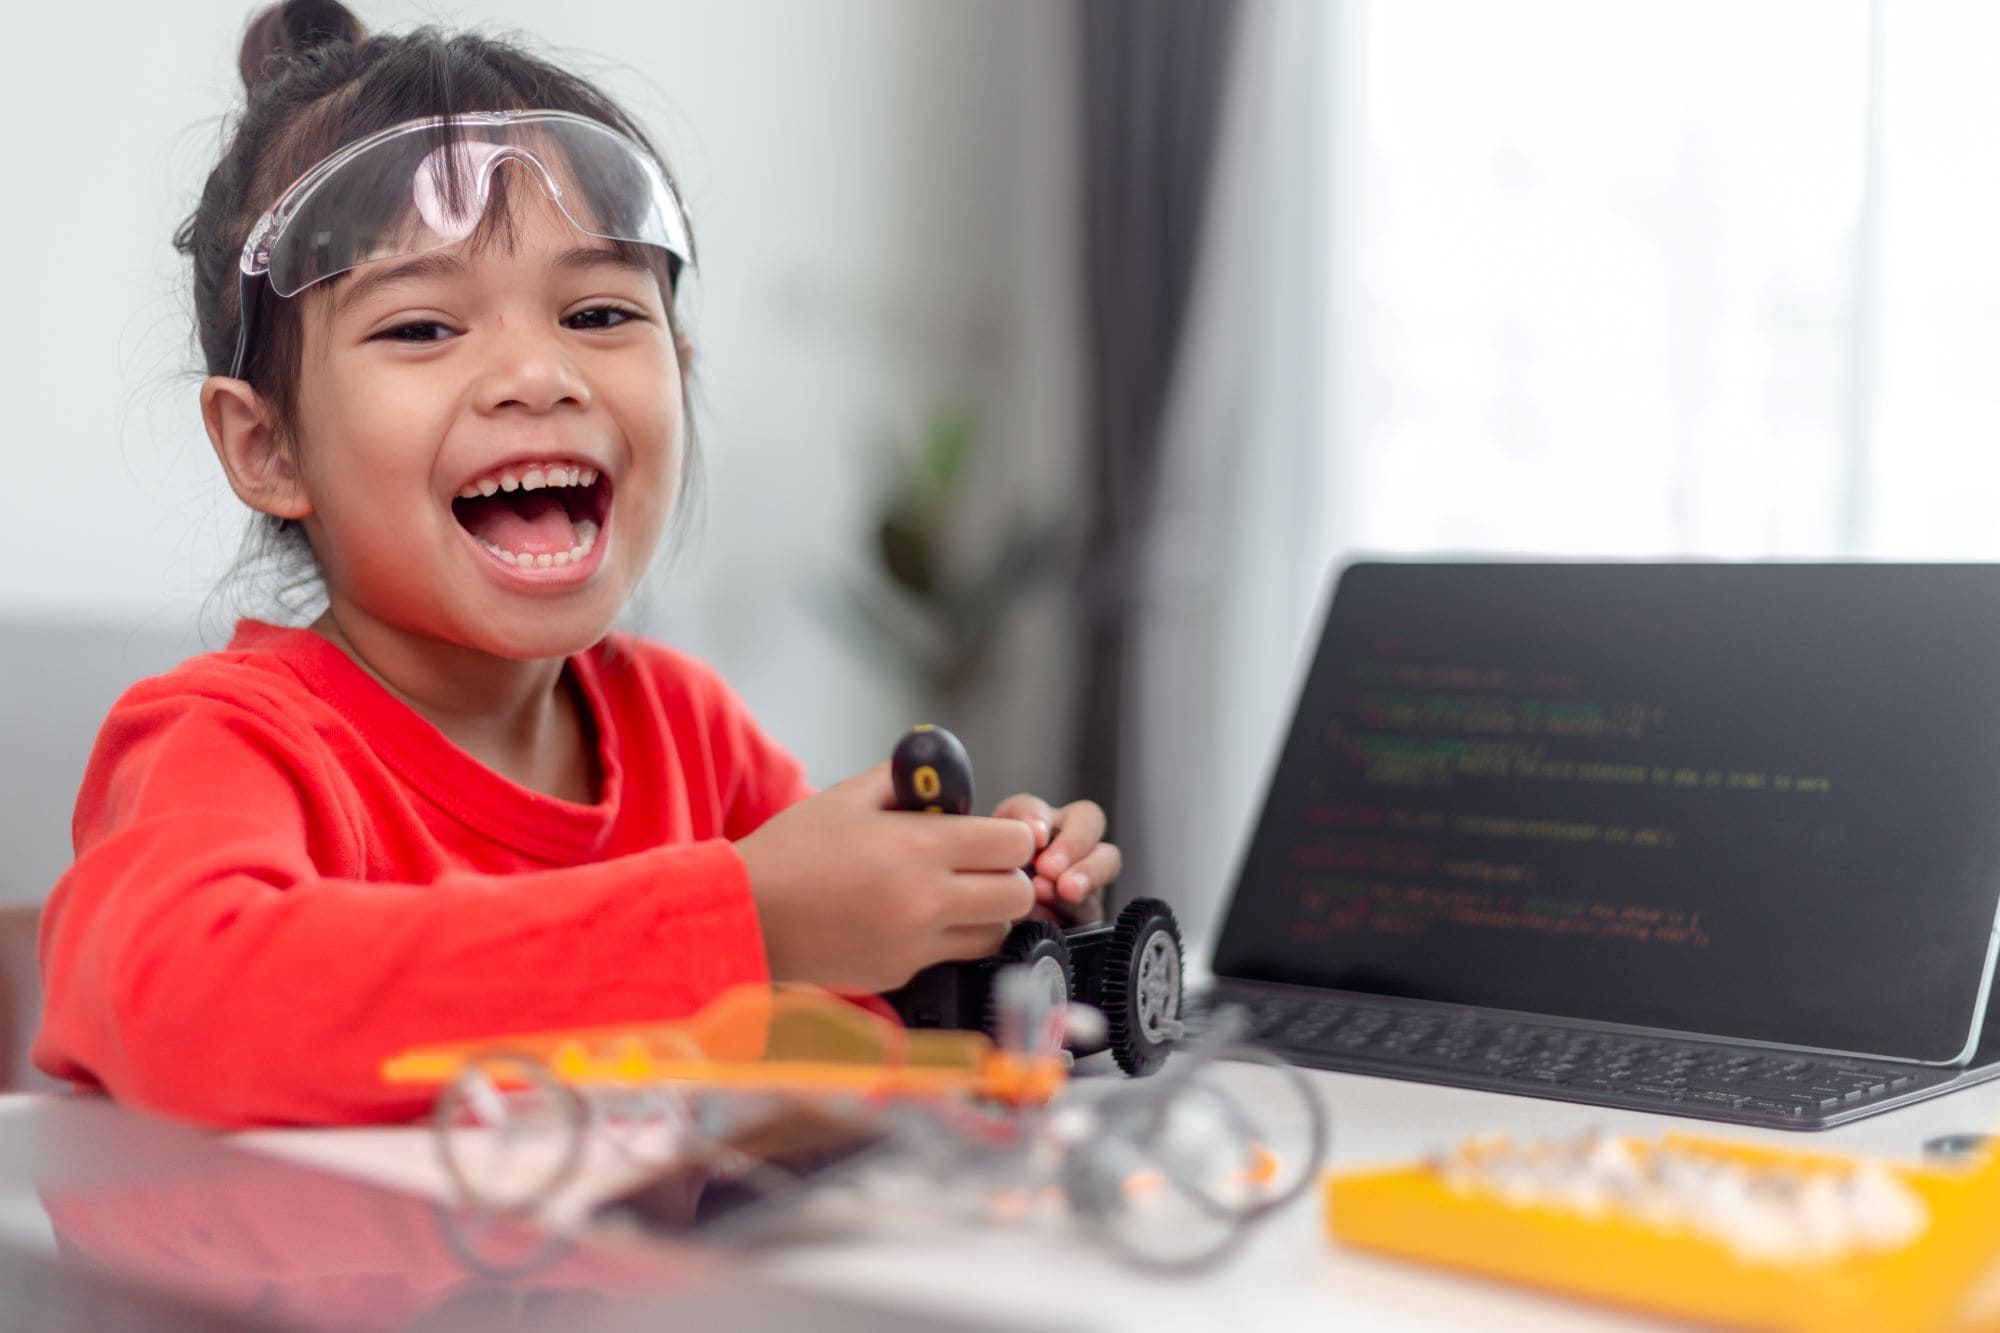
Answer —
931 772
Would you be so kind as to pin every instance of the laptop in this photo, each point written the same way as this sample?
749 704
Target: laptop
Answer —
1718 840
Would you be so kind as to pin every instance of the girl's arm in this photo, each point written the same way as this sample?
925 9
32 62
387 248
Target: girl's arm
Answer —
214 954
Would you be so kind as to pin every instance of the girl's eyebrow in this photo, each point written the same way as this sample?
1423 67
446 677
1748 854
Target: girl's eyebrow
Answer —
438 265
599 256
433 265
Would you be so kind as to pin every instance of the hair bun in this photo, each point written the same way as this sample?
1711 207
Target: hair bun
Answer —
289 30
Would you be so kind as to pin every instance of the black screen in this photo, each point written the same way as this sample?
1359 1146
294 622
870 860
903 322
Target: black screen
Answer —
1746 800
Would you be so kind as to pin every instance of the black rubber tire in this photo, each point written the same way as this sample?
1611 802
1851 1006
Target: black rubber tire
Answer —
1137 1051
1028 943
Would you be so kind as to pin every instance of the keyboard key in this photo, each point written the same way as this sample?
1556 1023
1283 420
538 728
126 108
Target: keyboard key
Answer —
1866 1085
1700 1075
1781 1091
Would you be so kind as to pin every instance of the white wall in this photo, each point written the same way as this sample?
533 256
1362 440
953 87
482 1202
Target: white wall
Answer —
881 191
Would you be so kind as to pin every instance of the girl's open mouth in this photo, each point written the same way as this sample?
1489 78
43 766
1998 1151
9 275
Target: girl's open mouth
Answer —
536 516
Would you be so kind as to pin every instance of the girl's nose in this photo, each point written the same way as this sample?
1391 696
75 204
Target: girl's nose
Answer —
529 370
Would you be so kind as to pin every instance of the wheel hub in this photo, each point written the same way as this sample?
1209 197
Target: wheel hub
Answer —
1156 989
1047 974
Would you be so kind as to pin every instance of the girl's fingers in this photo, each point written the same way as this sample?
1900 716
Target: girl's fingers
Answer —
1086 913
983 900
1091 873
970 842
1031 810
1079 828
871 788
968 943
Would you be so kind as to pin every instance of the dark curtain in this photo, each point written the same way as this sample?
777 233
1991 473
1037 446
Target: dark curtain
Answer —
1153 75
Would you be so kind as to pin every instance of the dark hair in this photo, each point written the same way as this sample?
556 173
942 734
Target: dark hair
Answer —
317 80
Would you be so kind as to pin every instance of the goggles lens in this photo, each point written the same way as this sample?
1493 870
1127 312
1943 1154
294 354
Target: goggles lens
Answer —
426 184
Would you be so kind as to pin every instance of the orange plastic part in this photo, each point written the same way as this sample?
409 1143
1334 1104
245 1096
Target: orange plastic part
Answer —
1947 1278
755 1037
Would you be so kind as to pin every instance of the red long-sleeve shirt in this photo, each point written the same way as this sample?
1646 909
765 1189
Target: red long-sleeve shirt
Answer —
284 875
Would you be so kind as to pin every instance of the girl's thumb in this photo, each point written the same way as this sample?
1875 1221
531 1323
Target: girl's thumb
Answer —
871 787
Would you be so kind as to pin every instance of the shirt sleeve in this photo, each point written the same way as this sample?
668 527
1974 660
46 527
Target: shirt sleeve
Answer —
764 776
771 778
212 953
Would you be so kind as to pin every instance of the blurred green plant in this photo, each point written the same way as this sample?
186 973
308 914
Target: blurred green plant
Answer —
932 605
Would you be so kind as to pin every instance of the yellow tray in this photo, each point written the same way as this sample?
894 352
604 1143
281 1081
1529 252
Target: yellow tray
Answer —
1948 1278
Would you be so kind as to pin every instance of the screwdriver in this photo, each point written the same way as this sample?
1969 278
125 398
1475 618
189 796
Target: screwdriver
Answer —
931 772
932 775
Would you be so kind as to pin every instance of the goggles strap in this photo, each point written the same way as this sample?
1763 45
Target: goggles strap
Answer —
246 302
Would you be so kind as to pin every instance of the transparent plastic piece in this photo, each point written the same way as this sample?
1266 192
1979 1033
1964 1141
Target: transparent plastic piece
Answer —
426 184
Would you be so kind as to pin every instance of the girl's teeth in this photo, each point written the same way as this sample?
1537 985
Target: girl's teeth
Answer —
586 535
530 479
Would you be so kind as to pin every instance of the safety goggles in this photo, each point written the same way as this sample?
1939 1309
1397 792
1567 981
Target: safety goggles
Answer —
425 184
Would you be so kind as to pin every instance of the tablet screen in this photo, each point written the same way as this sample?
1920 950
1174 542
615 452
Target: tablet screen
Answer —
1758 801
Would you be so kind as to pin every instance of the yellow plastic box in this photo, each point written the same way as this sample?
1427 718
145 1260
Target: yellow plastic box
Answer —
1947 1278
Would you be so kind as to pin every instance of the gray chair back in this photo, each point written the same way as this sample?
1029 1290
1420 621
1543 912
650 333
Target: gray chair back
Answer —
57 681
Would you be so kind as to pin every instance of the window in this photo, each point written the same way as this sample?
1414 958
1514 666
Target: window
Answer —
1653 278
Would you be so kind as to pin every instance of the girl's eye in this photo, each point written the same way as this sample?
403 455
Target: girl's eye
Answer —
601 317
417 331
430 330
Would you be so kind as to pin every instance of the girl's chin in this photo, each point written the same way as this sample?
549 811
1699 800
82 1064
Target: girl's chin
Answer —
550 635
545 612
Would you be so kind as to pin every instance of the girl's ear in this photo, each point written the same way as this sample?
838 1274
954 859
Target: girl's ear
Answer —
242 428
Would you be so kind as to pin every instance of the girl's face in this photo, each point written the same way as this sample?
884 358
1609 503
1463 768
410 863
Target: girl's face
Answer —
489 437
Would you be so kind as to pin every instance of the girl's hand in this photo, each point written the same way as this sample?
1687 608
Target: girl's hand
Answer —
1073 864
857 895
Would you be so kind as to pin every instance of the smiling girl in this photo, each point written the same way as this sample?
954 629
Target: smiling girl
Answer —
434 282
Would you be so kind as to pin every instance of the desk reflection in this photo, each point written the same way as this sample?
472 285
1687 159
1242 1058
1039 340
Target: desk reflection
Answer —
192 1232
273 1244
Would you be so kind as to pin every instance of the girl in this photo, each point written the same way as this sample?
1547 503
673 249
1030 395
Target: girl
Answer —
444 365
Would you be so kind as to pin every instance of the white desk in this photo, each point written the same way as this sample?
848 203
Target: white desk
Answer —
1289 1275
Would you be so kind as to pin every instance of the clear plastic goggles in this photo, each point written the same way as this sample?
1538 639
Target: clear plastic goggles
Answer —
425 185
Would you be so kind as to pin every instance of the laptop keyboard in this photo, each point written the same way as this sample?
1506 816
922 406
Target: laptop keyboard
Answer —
1711 1080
